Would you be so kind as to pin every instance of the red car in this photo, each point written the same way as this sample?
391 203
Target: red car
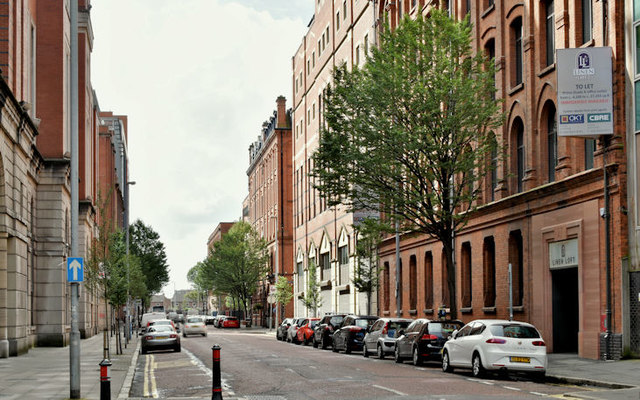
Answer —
305 331
230 322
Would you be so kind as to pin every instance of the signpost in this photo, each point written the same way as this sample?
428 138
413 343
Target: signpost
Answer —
75 269
585 109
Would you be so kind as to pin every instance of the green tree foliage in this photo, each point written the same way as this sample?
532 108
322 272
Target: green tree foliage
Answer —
410 134
237 263
145 244
312 299
284 291
369 236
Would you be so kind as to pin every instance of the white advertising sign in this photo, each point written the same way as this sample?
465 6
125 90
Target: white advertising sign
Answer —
585 100
563 254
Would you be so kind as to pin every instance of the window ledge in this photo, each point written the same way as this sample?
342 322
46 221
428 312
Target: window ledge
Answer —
386 313
466 310
428 311
546 70
518 309
325 284
488 10
413 312
489 310
343 289
590 43
515 89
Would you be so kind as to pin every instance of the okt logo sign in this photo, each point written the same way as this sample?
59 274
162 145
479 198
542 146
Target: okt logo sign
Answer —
572 119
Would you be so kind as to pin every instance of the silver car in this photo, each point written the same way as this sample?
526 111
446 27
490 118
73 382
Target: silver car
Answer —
160 337
381 337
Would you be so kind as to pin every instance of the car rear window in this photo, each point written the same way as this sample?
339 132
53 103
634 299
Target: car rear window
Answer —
194 320
232 318
395 326
161 328
336 320
514 331
442 329
312 324
364 323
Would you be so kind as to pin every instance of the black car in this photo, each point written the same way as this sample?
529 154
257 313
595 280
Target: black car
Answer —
281 330
423 340
323 332
350 336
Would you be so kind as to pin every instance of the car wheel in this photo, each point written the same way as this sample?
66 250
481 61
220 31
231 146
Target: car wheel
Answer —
323 344
204 334
446 365
177 349
396 355
380 353
143 350
365 353
184 334
315 344
347 349
476 366
334 348
417 358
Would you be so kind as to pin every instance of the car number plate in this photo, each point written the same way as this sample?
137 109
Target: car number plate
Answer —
520 359
162 337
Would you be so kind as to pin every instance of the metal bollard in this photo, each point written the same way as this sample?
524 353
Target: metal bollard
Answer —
105 380
216 388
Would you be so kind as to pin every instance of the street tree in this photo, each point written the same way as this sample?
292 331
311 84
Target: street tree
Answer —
367 275
198 278
410 133
237 264
145 244
312 299
284 292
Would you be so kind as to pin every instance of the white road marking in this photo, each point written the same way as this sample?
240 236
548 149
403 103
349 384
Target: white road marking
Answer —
196 361
512 388
390 390
538 394
150 388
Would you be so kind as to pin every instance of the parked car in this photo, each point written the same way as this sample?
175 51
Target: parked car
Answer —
350 336
148 317
281 330
382 336
162 322
193 326
230 322
208 319
293 329
484 345
323 333
160 337
305 332
423 340
218 320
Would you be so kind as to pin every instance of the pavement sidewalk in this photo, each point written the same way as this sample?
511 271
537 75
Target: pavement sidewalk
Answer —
43 373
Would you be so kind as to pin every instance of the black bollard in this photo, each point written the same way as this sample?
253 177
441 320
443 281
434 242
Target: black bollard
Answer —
105 380
216 388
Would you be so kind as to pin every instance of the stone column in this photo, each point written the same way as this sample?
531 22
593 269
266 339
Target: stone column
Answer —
4 342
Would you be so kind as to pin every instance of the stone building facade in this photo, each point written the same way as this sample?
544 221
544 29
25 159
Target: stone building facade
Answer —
341 31
546 196
35 164
270 202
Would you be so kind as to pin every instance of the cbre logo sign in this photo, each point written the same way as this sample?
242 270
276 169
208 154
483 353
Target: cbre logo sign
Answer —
600 117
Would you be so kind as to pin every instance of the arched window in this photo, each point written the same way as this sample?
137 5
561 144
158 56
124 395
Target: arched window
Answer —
428 280
520 154
550 28
517 48
413 283
386 292
489 272
466 274
446 297
552 143
516 259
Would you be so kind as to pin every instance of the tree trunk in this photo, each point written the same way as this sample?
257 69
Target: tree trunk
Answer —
451 276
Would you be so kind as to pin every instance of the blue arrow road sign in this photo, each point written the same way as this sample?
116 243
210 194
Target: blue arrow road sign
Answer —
75 269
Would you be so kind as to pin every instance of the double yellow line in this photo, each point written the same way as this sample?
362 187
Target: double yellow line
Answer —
150 378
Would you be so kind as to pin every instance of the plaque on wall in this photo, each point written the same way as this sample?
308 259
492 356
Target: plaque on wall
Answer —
563 254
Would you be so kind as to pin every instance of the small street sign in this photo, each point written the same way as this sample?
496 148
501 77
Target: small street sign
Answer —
75 269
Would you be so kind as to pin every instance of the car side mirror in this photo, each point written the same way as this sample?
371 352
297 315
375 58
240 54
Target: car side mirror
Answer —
454 334
400 333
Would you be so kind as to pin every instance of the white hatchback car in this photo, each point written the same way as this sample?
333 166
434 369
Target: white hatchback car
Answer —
193 326
497 345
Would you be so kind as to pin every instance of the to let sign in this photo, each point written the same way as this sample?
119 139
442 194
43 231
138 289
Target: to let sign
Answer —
585 100
563 254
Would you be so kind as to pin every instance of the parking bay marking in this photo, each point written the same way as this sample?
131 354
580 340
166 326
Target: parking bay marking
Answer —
399 393
149 367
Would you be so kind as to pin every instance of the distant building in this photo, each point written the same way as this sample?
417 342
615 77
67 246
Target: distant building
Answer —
216 235
270 200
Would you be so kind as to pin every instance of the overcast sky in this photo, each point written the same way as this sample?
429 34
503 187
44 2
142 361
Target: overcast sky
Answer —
197 78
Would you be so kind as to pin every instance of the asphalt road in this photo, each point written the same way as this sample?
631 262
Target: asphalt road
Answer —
257 366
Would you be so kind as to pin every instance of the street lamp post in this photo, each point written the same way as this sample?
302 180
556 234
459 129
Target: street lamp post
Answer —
277 271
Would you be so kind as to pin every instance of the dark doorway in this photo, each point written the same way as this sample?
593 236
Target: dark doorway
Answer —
565 310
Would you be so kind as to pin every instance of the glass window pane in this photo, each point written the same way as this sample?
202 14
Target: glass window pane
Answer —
636 10
637 50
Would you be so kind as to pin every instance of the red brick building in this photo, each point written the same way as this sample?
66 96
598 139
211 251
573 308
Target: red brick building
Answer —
546 196
270 200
